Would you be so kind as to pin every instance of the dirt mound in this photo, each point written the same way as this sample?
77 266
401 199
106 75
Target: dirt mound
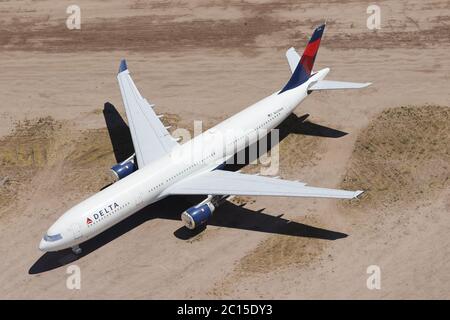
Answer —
295 152
23 152
40 145
278 251
274 254
87 164
298 152
403 155
82 158
29 143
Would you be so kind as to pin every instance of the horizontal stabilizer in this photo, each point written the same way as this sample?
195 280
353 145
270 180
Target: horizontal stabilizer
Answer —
293 58
336 85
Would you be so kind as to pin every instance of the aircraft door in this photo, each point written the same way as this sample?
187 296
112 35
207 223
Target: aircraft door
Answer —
76 229
140 199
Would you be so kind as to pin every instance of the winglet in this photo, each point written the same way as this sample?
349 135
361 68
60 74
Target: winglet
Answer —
357 194
123 66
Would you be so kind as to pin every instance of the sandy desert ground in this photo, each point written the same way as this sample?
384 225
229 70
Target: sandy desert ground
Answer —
206 60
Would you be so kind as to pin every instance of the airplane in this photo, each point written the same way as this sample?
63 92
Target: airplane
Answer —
161 167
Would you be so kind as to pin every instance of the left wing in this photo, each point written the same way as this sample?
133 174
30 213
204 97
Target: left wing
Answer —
151 140
220 182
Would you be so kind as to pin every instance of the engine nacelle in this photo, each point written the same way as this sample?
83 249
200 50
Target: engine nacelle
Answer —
198 215
121 170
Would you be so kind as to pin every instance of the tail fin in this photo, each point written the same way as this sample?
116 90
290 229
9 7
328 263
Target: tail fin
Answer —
303 70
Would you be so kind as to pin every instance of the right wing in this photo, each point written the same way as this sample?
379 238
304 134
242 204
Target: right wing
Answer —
219 182
151 140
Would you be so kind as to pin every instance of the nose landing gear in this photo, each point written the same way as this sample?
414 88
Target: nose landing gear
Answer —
76 249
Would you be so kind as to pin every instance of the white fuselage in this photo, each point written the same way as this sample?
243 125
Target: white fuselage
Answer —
148 184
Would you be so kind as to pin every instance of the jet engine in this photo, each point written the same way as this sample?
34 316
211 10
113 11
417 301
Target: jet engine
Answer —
199 214
123 169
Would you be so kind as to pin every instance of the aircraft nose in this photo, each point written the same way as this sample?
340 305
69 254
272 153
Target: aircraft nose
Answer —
43 245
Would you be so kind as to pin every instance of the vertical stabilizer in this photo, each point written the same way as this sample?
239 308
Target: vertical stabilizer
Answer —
303 70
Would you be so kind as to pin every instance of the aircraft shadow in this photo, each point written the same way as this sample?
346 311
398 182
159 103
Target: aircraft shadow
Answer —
299 125
119 133
291 125
227 215
234 216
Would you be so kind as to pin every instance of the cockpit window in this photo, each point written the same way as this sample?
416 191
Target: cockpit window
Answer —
55 237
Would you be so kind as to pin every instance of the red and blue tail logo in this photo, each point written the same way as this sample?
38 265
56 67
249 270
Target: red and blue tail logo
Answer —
304 67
